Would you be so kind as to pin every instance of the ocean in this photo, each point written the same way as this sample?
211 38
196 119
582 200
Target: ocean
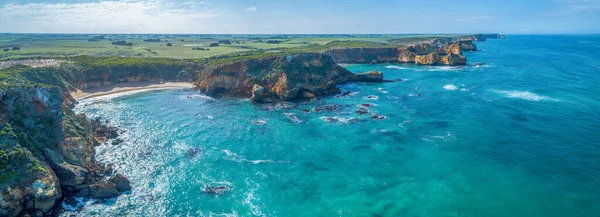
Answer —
514 133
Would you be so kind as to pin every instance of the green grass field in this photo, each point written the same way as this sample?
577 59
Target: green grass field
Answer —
65 45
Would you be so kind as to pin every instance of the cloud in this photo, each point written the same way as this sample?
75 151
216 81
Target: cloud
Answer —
126 16
252 9
476 18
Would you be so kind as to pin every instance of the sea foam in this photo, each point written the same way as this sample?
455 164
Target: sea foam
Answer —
396 67
525 95
450 87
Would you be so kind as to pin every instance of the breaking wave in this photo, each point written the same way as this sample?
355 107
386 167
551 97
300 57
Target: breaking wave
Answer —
525 95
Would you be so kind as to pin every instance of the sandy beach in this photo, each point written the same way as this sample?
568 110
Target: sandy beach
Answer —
127 87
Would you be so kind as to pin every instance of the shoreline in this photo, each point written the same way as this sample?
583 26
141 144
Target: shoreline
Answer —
128 87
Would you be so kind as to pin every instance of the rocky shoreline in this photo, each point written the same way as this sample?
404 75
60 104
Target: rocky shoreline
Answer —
53 154
47 151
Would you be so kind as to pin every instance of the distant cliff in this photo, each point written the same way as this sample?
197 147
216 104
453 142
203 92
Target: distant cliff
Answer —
429 53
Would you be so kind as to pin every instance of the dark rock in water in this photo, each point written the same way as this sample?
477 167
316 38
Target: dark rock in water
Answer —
293 117
362 111
354 120
367 105
102 132
377 116
117 142
104 190
257 93
331 108
122 183
260 122
193 152
345 94
306 111
317 110
419 94
85 192
372 76
372 97
216 190
330 119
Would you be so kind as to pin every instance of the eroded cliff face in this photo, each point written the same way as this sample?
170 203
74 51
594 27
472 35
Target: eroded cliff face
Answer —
44 149
431 53
484 37
99 77
289 77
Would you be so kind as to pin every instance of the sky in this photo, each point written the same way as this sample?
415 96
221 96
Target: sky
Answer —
300 16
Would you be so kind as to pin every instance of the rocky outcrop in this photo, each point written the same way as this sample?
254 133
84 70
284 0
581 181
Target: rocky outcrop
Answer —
285 78
46 150
467 45
428 54
441 41
453 59
484 37
372 76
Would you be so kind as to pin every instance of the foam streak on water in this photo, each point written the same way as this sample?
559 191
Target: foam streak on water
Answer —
517 138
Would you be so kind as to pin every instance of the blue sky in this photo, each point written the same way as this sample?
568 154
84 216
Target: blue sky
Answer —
300 16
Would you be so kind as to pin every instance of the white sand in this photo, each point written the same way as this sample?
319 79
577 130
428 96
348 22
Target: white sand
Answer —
126 87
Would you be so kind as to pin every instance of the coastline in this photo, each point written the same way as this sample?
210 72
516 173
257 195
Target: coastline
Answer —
128 87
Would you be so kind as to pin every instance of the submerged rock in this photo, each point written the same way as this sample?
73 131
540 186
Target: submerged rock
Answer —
216 190
362 111
377 116
260 122
366 105
333 107
193 152
293 118
117 142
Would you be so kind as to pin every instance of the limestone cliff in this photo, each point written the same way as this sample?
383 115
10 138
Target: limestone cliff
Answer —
484 37
279 78
430 53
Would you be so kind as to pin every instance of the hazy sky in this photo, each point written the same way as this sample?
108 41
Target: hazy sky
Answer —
300 16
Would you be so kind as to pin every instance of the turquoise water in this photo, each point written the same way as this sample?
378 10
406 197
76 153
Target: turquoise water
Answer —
516 135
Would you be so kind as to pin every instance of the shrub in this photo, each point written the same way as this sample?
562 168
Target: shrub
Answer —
169 45
122 43
214 45
152 40
224 42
